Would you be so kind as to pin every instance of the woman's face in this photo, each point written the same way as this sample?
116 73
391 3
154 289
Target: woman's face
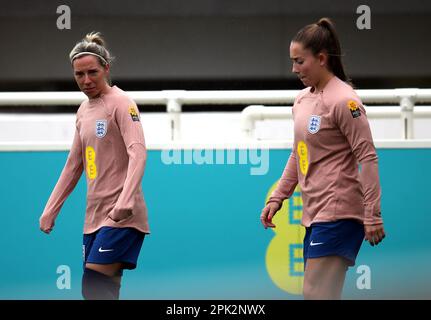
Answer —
306 65
90 75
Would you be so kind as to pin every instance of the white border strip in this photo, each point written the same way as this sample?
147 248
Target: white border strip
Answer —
261 144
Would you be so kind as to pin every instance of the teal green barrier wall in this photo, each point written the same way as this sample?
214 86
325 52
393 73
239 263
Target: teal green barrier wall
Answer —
207 241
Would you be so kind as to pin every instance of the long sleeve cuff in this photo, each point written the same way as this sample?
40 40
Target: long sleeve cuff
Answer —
372 216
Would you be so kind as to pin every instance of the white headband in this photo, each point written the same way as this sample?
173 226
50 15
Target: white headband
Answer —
90 53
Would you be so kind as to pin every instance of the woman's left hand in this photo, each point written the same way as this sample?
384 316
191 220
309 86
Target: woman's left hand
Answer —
374 234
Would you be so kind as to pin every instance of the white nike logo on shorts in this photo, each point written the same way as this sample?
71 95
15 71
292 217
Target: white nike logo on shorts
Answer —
315 243
105 250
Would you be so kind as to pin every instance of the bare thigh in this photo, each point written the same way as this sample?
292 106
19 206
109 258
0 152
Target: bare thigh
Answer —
111 270
324 277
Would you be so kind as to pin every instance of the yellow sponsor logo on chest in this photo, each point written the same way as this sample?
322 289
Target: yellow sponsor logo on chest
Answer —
90 157
302 151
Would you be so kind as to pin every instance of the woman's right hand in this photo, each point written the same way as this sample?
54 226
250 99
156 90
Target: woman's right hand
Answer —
268 213
46 224
374 234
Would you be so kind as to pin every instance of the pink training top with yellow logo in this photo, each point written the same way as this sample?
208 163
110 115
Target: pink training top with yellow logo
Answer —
331 137
109 145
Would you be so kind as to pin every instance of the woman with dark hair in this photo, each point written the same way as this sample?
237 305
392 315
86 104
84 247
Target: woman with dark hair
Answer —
332 137
109 145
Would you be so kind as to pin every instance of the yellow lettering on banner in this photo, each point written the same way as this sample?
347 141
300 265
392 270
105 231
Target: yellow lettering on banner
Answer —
90 156
303 157
284 256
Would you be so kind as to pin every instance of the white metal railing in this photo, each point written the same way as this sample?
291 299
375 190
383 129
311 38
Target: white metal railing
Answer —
251 114
174 99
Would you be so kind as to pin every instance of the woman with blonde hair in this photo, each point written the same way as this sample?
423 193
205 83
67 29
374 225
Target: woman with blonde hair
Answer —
109 146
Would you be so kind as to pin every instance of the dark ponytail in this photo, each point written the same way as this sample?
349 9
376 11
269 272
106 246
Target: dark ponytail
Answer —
322 37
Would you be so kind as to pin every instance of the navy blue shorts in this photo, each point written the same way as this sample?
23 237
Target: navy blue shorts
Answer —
339 238
110 245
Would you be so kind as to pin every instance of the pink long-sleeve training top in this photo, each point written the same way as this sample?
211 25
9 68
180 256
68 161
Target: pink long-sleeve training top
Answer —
331 138
109 145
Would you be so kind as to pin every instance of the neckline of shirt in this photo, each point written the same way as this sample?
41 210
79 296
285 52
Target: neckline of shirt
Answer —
95 100
325 88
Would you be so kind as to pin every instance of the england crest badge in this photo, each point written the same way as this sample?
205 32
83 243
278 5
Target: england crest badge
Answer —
101 128
314 124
